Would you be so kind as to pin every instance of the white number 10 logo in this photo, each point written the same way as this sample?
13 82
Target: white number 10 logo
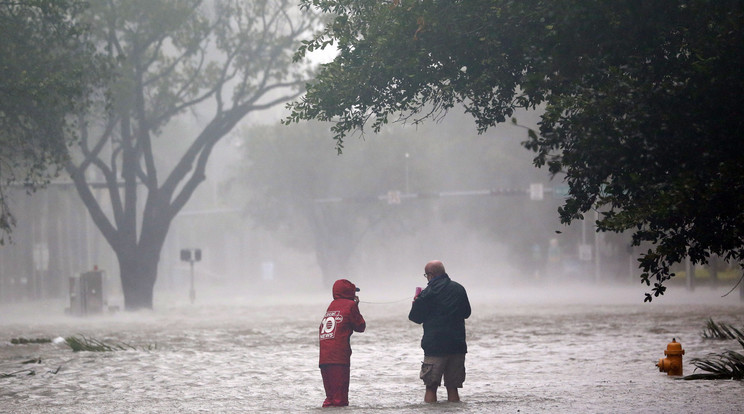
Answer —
329 324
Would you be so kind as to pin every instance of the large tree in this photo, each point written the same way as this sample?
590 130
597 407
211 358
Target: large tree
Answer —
642 101
46 67
216 61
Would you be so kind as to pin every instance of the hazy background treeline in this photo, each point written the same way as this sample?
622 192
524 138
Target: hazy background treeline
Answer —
281 211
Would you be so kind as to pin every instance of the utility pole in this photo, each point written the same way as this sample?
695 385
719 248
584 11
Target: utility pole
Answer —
407 188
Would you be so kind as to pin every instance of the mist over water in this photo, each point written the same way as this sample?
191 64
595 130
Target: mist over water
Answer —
570 348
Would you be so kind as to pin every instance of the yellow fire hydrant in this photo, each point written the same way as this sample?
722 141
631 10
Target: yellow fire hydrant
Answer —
672 364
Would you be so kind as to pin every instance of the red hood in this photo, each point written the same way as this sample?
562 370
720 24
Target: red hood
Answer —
343 289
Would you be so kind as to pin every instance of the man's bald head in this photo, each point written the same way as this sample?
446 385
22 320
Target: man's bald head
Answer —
434 268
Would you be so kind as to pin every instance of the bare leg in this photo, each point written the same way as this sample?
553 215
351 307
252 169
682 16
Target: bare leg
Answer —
452 394
431 395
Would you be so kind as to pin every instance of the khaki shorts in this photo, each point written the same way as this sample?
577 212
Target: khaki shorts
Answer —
451 366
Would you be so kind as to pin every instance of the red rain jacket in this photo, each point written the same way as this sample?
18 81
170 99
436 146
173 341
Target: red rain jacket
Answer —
341 320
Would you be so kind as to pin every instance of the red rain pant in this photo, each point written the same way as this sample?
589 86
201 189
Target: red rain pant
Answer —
336 384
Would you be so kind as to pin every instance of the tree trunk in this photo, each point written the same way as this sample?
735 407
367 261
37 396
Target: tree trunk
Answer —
334 244
138 272
138 264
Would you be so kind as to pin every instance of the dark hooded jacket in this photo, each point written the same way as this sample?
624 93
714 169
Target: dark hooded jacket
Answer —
442 307
341 320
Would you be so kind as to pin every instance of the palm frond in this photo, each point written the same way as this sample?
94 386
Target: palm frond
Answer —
81 343
720 330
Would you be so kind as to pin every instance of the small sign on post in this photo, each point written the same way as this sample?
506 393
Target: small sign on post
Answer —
186 256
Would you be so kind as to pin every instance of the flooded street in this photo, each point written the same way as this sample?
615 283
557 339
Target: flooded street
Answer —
580 352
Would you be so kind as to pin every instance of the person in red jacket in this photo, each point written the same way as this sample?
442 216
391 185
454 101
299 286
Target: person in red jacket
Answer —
342 318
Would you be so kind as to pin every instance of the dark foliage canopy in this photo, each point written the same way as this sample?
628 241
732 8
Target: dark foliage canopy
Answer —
46 68
642 101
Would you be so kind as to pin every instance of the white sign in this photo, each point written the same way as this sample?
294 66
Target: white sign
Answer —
536 191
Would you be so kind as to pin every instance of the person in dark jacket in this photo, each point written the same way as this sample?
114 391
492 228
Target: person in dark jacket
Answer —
342 318
442 307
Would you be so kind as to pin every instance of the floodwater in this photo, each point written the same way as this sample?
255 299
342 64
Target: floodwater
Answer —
589 350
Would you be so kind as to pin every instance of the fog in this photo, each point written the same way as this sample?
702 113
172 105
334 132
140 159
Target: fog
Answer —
281 213
573 348
480 237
